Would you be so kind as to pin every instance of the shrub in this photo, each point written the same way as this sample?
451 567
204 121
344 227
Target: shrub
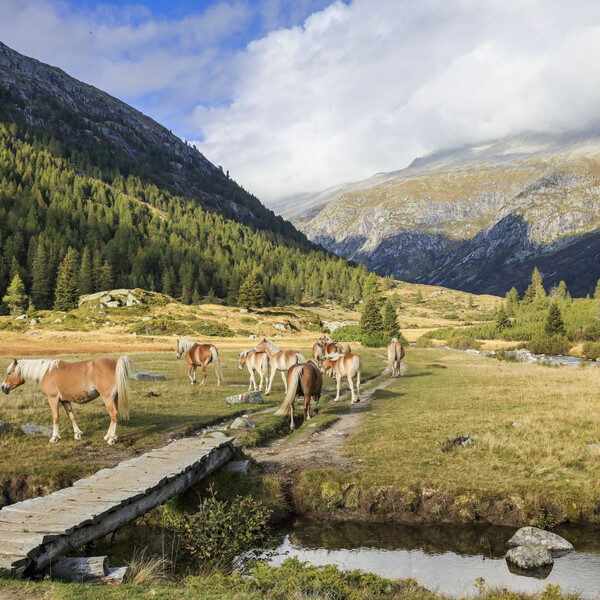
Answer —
463 342
213 329
347 333
160 327
552 345
591 350
219 531
374 340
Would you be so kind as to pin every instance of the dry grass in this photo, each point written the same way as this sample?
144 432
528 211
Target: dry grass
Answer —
532 426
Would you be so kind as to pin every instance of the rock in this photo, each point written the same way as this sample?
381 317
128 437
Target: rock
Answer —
216 434
146 318
279 326
243 310
534 535
5 427
253 397
112 304
237 466
22 317
131 300
252 336
532 556
33 322
30 428
240 423
140 375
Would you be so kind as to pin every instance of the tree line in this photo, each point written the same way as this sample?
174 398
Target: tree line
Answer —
130 233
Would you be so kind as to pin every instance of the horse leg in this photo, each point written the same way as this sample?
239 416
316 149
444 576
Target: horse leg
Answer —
399 367
261 380
252 381
204 372
338 381
317 398
354 398
307 407
284 377
111 434
192 373
69 411
268 390
53 401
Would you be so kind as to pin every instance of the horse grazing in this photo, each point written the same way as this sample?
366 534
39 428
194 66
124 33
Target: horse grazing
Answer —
317 352
255 361
65 382
395 354
340 365
281 360
199 355
303 379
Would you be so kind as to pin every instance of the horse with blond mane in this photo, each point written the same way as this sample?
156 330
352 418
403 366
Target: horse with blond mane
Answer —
199 355
65 382
395 354
340 365
255 361
303 379
281 360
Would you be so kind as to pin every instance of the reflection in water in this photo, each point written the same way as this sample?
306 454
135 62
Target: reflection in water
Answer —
447 559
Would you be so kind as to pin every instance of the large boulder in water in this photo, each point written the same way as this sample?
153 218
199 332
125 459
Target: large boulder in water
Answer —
534 535
529 557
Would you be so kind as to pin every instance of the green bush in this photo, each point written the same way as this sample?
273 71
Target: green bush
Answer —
163 326
219 531
591 350
551 345
374 340
347 333
248 320
214 329
464 342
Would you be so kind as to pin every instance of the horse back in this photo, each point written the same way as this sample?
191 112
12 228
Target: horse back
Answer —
311 380
80 381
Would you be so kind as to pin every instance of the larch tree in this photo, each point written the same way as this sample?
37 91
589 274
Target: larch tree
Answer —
16 296
66 291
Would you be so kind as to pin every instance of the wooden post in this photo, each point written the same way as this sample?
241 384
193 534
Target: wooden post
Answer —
81 569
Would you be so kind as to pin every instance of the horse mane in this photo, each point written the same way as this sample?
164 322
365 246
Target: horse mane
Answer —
394 339
185 345
34 368
335 356
246 352
273 347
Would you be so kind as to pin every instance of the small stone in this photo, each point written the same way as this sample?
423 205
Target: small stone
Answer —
146 318
140 375
22 317
30 428
237 466
5 427
516 424
534 535
240 423
532 556
216 434
252 397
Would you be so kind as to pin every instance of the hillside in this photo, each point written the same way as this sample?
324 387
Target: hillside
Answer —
477 218
141 208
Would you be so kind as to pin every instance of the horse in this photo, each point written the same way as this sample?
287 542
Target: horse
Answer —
324 347
303 379
255 361
281 360
395 354
199 354
65 382
340 365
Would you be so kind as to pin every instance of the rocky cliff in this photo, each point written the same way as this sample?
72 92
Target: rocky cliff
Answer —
478 218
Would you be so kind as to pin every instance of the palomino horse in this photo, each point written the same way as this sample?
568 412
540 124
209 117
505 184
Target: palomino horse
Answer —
65 382
281 360
340 365
324 347
395 354
303 379
199 354
255 361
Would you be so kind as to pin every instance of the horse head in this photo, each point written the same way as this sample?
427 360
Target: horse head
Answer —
261 346
327 366
243 357
13 378
177 352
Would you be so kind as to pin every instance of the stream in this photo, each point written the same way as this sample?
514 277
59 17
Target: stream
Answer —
444 558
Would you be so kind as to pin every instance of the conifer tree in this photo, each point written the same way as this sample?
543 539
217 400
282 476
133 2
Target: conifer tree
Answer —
16 297
86 285
370 287
391 328
41 289
502 320
554 321
512 301
597 291
105 277
66 292
250 294
371 322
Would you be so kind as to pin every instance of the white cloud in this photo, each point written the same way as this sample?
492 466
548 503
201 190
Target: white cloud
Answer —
368 86
359 87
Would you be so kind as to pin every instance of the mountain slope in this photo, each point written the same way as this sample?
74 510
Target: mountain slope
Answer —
80 169
478 218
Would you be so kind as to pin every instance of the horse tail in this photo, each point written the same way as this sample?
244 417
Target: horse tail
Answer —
122 376
292 390
391 356
299 358
218 368
348 350
358 374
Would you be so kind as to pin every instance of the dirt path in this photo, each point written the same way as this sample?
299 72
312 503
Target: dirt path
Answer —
321 449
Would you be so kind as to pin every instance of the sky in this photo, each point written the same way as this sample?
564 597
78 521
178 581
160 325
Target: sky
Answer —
296 96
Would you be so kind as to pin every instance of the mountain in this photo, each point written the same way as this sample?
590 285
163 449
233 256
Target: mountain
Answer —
477 218
141 208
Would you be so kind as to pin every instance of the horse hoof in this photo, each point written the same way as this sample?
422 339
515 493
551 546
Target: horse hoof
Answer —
54 439
77 436
111 441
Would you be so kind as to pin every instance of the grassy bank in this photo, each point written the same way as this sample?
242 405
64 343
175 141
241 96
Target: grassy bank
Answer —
533 458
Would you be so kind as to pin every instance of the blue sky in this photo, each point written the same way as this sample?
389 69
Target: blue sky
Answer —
300 95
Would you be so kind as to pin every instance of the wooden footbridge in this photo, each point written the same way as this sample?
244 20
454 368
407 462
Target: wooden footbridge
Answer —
36 532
